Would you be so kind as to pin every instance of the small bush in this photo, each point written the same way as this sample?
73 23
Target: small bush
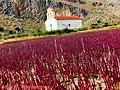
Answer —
98 27
93 26
60 4
22 35
106 24
36 32
83 29
59 31
94 4
1 29
66 30
10 36
115 24
100 4
49 32
11 32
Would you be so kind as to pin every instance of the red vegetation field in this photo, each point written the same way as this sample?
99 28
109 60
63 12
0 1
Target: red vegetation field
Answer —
83 61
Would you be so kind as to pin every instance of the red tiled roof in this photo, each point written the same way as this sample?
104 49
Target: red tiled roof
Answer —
67 18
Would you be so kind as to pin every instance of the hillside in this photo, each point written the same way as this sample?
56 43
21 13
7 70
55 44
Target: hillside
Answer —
100 12
34 11
10 23
87 6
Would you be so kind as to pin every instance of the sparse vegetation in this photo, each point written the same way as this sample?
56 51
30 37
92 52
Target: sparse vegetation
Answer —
36 31
82 29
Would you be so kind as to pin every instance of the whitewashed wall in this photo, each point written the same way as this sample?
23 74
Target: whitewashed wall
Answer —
61 24
53 22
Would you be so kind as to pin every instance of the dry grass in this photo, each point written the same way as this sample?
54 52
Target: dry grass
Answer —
36 37
101 29
18 39
10 23
23 38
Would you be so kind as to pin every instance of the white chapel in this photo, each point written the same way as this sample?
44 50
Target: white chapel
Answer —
55 22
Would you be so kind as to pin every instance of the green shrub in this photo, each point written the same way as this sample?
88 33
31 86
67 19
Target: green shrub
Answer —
82 29
93 26
115 24
10 36
59 31
106 24
11 32
50 32
1 29
22 35
36 32
85 28
98 27
110 25
66 30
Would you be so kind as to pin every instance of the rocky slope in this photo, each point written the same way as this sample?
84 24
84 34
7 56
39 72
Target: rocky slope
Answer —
33 9
36 9
100 11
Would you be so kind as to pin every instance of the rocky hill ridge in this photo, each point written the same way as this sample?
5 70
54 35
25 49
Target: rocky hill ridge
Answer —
35 10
